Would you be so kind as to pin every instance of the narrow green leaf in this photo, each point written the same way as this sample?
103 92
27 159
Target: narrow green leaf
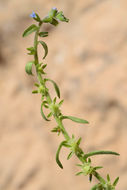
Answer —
79 173
97 167
89 160
43 34
30 48
61 102
70 155
90 177
42 113
67 145
28 67
54 100
108 178
58 152
49 115
79 141
45 48
75 119
31 53
55 129
29 30
37 18
100 152
45 102
36 84
116 181
45 65
46 106
35 91
55 86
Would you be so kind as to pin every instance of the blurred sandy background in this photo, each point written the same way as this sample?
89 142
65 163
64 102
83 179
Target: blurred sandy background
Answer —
88 59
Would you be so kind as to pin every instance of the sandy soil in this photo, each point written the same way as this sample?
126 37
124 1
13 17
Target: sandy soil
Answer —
88 59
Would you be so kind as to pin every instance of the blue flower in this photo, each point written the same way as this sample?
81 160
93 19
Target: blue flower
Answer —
54 8
33 15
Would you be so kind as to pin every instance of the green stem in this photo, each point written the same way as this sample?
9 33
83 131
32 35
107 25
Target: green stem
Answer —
59 122
96 174
49 100
81 158
40 78
35 46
